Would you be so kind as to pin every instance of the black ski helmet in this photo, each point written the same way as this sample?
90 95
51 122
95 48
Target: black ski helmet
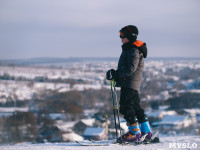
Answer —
130 32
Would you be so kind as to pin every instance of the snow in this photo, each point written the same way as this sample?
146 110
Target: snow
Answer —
65 127
82 87
189 91
24 90
13 109
88 122
90 112
92 74
124 126
170 112
72 137
166 142
163 108
193 111
194 91
161 112
63 90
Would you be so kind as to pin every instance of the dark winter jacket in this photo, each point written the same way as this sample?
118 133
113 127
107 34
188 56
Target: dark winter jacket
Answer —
131 65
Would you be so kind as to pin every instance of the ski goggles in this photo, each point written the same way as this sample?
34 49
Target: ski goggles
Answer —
122 35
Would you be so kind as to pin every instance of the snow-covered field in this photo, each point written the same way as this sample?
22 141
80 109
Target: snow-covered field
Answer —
92 73
178 142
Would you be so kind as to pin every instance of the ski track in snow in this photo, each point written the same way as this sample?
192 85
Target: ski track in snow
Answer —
164 145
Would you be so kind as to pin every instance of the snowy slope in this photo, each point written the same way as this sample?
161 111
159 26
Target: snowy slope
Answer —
191 142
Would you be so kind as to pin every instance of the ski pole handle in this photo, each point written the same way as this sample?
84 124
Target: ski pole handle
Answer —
113 83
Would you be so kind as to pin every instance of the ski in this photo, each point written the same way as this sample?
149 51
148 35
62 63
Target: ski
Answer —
134 143
93 143
154 139
108 143
90 142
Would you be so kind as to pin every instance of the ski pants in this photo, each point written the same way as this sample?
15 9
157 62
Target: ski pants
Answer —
130 107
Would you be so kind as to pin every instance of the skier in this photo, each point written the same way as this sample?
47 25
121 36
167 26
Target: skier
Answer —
128 76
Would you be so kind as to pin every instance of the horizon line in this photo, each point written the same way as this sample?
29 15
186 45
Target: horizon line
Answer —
32 58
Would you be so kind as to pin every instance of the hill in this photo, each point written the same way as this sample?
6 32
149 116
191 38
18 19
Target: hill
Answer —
178 142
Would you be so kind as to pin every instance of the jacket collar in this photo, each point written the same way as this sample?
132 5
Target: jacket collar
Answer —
127 46
137 44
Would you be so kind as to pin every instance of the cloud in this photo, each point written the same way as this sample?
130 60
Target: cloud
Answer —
61 26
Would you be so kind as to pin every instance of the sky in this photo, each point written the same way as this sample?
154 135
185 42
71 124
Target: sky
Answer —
90 28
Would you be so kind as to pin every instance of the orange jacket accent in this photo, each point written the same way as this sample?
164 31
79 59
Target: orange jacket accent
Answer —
138 43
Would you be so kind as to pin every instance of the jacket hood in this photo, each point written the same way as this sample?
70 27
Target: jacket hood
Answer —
141 47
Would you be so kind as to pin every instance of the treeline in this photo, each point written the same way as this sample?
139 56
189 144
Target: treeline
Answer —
184 100
179 102
73 102
185 73
6 76
13 103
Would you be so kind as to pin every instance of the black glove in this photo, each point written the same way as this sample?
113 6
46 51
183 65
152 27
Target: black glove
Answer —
111 74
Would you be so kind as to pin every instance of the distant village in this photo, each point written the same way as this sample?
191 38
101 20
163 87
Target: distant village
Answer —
71 101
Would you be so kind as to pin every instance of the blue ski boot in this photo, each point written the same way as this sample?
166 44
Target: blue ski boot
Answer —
133 134
146 129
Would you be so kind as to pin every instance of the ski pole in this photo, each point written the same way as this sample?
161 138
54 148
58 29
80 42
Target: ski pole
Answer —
117 107
113 102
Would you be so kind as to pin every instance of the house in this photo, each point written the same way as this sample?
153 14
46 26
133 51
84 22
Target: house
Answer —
80 126
94 133
174 121
67 134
